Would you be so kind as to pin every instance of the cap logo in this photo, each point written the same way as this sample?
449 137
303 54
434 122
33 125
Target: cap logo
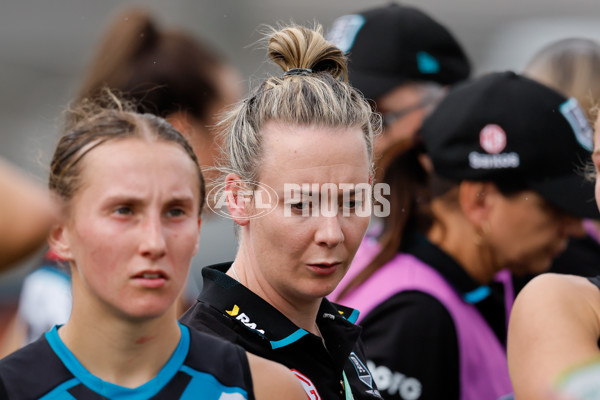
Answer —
492 139
581 128
344 30
427 63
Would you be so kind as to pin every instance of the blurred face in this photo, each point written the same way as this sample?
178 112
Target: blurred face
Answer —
527 233
302 258
403 110
133 226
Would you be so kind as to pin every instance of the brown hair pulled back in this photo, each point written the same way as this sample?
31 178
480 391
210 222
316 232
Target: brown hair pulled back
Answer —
161 71
90 124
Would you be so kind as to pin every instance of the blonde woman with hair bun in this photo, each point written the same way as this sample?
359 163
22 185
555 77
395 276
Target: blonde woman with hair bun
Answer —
306 137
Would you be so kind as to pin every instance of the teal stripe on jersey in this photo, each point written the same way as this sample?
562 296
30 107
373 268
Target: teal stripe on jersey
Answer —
60 392
354 316
206 386
116 392
275 344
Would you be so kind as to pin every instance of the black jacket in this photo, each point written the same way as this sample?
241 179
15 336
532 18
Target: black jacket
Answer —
228 309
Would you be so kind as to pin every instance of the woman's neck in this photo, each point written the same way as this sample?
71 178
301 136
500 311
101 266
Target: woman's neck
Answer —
452 233
302 312
124 352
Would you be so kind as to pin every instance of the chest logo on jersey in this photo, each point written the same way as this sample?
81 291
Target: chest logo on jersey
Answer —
363 372
364 375
309 387
243 318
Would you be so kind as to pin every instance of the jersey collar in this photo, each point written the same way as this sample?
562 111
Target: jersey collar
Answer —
110 390
234 299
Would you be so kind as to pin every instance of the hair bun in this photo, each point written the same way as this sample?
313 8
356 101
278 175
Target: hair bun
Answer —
297 47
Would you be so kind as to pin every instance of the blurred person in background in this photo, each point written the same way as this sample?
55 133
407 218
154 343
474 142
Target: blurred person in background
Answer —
306 127
555 331
26 215
572 67
133 193
403 60
434 288
169 73
172 74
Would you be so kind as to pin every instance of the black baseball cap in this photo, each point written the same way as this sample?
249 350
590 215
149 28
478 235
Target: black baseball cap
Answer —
510 130
390 45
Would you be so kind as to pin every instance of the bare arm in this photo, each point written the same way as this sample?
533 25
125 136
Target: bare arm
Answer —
555 323
273 381
26 214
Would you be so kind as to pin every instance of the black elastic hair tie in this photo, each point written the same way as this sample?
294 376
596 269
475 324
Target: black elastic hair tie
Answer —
298 72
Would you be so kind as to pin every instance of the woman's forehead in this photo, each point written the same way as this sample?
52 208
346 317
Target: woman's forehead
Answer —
296 139
306 148
134 161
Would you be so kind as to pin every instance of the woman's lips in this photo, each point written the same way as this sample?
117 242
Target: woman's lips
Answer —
324 268
151 279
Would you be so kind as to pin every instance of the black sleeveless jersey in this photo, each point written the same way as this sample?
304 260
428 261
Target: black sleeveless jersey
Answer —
201 367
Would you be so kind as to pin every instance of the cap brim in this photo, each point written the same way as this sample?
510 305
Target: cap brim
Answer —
373 86
572 194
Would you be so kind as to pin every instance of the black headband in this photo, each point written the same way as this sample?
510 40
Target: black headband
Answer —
298 72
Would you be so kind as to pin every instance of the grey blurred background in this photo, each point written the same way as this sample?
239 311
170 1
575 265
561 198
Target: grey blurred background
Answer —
45 47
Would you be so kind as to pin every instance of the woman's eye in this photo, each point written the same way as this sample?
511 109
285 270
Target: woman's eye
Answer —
300 206
124 210
176 212
351 204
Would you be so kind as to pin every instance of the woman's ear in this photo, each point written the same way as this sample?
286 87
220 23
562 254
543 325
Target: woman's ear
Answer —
59 242
237 199
476 200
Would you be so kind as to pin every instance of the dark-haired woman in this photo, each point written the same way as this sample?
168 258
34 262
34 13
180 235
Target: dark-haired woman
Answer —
434 288
306 137
132 177
167 72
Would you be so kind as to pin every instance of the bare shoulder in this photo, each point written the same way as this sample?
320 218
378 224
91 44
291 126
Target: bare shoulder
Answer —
574 296
555 323
273 381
